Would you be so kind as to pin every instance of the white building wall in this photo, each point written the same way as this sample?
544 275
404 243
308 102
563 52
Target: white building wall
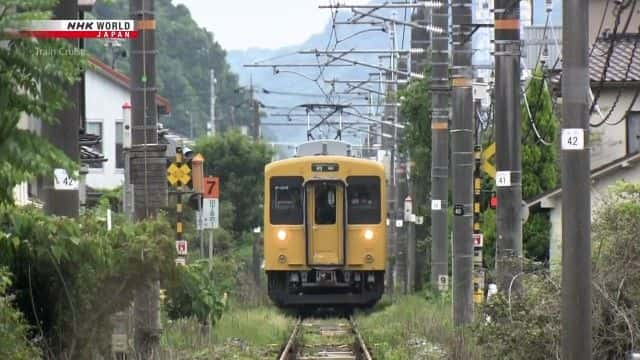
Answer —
609 142
104 101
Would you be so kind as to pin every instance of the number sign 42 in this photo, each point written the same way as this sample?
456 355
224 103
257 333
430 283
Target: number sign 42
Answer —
572 139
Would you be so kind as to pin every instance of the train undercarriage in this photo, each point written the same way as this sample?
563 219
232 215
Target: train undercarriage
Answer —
325 287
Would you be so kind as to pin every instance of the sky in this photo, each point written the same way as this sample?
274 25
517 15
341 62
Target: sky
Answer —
241 24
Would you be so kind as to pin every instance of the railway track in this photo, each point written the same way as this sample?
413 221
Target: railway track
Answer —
325 338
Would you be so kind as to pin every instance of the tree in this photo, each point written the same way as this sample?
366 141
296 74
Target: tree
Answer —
539 171
239 162
416 142
33 75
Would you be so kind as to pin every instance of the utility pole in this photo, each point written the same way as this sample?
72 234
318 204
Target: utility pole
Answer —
394 162
440 145
212 83
576 192
508 147
65 133
462 161
148 169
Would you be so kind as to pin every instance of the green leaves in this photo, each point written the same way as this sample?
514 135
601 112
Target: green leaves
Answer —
33 75
239 162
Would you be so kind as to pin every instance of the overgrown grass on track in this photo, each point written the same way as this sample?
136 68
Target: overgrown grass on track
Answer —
414 328
255 333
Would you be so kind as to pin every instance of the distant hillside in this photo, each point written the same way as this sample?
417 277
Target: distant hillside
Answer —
186 52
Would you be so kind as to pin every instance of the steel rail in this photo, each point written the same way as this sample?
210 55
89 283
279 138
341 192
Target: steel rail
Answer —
361 343
294 334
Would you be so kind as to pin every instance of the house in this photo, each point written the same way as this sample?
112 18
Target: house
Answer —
106 91
614 71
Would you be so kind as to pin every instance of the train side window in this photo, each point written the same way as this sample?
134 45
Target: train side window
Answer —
363 199
286 200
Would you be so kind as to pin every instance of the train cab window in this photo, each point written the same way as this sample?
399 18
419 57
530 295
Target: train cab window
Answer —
363 199
286 200
325 213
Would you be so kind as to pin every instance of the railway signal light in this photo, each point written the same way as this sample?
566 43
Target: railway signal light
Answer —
493 202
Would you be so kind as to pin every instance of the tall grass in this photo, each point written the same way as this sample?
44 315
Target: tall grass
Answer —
254 333
415 328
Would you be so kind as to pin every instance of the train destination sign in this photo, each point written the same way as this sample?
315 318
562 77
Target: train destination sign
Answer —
324 167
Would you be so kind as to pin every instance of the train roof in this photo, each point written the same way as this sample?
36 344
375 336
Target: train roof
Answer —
346 160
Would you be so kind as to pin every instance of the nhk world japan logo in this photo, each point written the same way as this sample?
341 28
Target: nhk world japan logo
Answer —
93 29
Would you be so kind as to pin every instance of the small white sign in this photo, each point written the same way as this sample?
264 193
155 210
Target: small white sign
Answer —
210 213
62 180
572 139
419 220
408 208
181 261
503 178
443 282
436 204
399 223
478 240
412 218
181 247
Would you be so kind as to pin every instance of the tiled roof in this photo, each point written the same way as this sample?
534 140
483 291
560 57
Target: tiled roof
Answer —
622 57
626 55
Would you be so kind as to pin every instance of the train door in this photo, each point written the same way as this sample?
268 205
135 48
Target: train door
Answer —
325 223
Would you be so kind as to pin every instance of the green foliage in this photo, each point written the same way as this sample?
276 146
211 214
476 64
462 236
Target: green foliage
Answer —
416 142
186 53
239 162
616 272
33 75
71 275
527 327
195 293
14 342
415 328
539 161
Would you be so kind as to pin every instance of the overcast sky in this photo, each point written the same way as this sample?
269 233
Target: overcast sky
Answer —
240 24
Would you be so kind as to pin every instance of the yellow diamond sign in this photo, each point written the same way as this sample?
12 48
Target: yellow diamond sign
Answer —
178 173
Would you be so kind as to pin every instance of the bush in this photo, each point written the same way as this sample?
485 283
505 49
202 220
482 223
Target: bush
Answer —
14 342
72 274
195 293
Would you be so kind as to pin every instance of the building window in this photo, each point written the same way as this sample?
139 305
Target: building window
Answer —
95 128
119 149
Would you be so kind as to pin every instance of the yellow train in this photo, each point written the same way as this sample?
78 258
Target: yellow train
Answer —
325 231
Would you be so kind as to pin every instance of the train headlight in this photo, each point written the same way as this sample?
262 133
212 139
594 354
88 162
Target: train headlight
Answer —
368 234
282 235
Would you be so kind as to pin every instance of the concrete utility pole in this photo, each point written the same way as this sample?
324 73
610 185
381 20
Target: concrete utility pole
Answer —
508 147
576 192
65 133
148 169
462 161
439 144
394 163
